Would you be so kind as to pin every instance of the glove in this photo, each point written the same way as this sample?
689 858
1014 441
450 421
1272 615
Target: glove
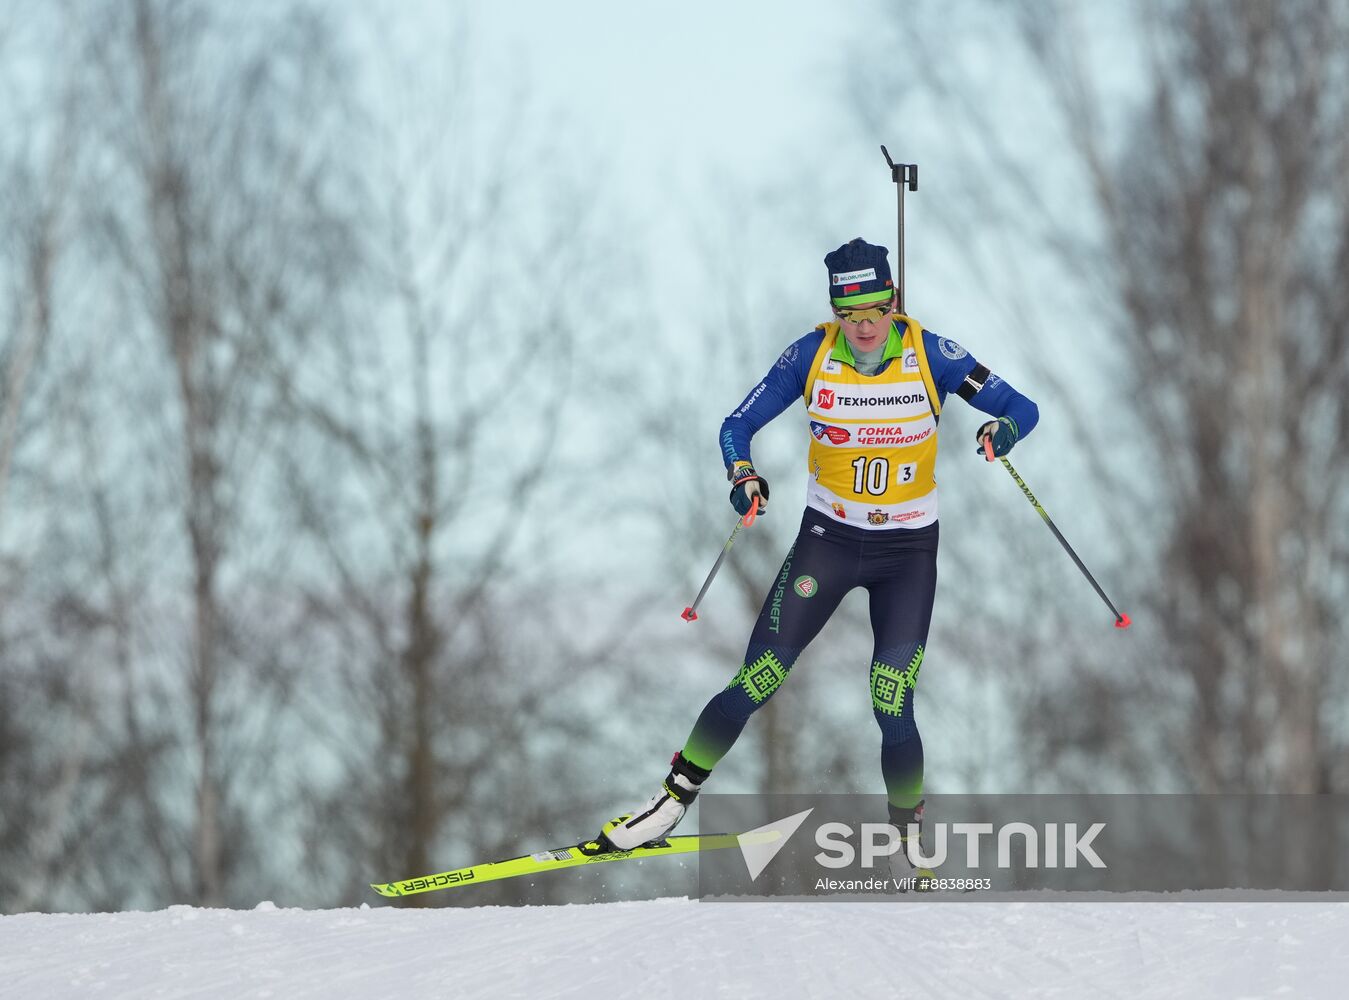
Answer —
746 484
1004 433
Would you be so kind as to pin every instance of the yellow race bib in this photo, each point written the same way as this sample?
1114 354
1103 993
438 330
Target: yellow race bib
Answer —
873 448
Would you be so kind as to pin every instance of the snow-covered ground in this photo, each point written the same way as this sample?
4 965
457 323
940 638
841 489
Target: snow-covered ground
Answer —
685 949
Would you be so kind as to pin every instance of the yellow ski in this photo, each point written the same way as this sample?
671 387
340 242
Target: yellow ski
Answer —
589 853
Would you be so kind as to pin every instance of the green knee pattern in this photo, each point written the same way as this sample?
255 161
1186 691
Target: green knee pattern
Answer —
889 684
760 678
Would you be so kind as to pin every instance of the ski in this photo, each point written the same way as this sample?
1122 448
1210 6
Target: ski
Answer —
589 853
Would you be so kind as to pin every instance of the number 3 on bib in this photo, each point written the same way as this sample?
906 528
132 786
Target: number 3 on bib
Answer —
872 475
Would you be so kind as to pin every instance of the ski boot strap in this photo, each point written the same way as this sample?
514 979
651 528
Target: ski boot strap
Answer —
901 817
682 783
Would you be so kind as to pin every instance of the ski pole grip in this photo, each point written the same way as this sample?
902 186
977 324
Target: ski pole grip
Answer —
748 519
988 448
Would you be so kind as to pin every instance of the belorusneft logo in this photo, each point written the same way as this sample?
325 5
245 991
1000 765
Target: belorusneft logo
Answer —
1015 845
854 277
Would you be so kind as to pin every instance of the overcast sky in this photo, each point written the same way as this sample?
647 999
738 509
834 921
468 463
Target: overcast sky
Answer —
747 125
677 105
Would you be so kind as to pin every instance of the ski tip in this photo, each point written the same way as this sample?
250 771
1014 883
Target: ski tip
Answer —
388 889
689 615
1123 622
753 837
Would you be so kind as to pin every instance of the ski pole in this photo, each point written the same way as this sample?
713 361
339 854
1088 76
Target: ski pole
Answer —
902 174
1121 621
691 613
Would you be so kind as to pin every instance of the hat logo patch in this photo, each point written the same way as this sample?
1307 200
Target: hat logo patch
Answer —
853 277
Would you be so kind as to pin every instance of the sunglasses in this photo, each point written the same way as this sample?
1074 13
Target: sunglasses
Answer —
863 313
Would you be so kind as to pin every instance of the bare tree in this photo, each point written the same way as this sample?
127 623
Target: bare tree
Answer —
216 186
41 162
273 369
38 207
422 478
1206 228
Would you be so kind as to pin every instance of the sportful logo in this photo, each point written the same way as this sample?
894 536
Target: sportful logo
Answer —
758 391
853 277
824 399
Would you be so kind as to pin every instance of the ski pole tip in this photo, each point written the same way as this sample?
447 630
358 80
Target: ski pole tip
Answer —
1122 622
689 615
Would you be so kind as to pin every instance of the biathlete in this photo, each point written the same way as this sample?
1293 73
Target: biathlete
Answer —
874 382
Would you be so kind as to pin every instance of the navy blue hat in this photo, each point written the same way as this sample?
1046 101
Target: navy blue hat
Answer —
859 272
